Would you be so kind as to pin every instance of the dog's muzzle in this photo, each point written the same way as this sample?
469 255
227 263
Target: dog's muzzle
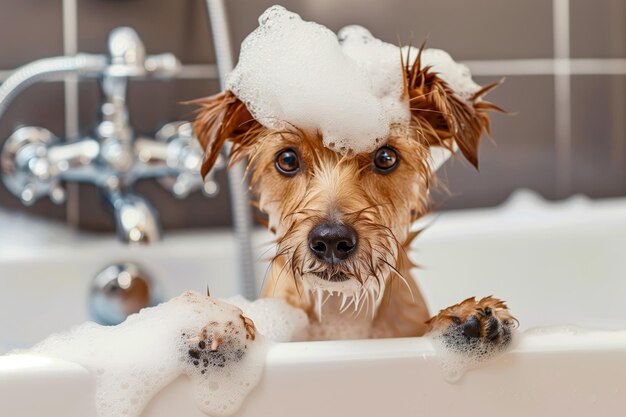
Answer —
333 242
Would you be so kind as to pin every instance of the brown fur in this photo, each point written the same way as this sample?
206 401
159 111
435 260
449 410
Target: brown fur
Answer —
333 187
443 116
469 307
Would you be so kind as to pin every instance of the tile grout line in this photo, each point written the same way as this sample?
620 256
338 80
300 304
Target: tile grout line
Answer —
478 67
562 97
618 100
547 66
72 129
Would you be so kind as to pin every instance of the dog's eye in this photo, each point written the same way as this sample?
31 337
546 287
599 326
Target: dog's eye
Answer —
287 162
385 160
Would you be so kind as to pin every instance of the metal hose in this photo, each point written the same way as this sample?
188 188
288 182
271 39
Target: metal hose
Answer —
46 69
242 214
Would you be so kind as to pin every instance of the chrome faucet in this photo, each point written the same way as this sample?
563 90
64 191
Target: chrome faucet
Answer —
35 163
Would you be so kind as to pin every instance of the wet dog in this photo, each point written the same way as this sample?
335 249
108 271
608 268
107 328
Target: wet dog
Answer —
343 220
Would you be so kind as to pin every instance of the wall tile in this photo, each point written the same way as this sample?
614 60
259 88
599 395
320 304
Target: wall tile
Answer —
477 29
180 27
599 135
29 29
152 103
195 211
522 154
597 29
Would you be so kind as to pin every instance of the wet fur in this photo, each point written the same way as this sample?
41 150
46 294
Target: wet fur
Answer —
381 299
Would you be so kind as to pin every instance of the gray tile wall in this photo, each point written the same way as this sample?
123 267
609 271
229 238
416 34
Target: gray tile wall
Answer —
498 37
599 153
472 29
598 29
522 153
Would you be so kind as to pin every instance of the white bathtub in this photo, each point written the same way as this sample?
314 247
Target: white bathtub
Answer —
555 263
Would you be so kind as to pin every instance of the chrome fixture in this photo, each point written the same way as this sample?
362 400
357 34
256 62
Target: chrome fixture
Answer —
120 290
35 163
135 219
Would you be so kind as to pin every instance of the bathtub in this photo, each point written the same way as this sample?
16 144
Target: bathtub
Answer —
560 264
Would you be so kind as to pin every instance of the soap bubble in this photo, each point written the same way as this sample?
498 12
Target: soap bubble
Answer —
348 87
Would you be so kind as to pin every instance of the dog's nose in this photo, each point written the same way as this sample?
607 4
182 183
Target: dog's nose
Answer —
332 242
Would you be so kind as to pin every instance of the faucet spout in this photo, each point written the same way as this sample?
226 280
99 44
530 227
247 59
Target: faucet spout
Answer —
136 220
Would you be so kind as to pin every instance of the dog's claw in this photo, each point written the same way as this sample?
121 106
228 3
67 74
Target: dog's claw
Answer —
217 341
249 326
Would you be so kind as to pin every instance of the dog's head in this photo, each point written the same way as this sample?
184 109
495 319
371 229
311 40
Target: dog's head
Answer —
342 221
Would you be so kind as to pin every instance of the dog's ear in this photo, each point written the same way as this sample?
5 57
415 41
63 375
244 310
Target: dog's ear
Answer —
221 117
447 121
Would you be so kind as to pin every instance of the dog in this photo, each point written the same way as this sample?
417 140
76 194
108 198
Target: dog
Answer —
343 222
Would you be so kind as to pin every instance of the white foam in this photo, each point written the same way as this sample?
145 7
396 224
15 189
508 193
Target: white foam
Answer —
457 356
348 87
134 360
274 318
457 76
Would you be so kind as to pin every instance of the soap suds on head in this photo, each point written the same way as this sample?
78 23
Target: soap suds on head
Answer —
208 340
292 72
457 76
347 87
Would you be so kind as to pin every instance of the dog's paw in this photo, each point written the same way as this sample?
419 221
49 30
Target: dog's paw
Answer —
219 344
472 326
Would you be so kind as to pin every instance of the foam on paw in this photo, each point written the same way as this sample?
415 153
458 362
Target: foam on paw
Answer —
470 333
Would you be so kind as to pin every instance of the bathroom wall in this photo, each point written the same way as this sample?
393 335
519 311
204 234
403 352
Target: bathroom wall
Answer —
570 52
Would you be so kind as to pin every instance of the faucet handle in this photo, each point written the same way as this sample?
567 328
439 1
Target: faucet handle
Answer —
28 172
184 156
163 65
34 163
